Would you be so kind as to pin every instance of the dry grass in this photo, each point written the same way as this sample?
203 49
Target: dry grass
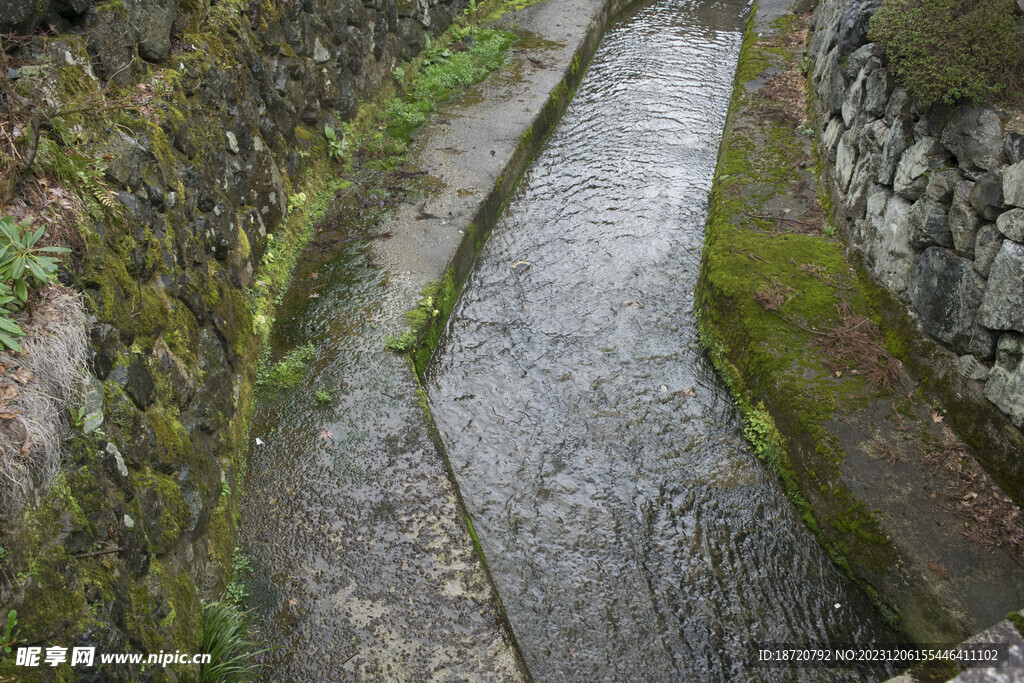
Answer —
35 389
855 345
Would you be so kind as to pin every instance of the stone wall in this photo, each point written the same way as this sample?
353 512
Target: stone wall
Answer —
229 124
931 199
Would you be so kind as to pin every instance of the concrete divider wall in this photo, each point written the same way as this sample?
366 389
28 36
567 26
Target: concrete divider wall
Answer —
932 201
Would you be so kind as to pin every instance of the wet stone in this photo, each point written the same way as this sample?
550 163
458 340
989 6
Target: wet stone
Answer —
1003 306
946 292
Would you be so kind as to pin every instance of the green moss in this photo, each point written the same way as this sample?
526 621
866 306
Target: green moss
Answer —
288 372
162 507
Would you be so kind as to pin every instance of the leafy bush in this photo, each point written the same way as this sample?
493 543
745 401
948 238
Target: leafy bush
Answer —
949 50
22 265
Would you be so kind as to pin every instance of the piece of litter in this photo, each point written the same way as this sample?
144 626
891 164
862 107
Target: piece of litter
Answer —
259 441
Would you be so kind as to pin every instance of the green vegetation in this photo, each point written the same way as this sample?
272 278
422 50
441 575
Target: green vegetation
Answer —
226 638
288 372
235 592
950 50
324 398
23 265
10 634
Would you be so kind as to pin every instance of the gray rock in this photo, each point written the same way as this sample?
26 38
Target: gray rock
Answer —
863 180
846 157
877 90
987 195
851 108
975 136
897 141
852 31
946 292
1013 184
963 219
940 186
970 368
411 38
890 252
899 106
21 16
1005 386
830 138
1003 306
929 225
926 155
92 400
1014 147
320 53
860 57
153 20
1011 224
832 87
119 463
986 246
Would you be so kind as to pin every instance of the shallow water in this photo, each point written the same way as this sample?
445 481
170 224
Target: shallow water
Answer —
631 532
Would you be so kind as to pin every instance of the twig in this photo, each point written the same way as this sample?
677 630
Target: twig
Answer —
774 218
98 552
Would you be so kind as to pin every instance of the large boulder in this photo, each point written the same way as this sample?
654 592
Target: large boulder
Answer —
975 136
987 195
986 248
1003 306
897 141
946 292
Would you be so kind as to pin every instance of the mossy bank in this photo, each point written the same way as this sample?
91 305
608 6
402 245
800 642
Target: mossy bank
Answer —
808 347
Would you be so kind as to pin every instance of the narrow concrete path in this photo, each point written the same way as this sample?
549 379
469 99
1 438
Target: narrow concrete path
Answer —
364 563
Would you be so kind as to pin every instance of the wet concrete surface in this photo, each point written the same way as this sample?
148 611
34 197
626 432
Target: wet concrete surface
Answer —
631 533
364 565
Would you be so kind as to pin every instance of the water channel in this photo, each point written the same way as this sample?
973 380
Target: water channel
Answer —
630 531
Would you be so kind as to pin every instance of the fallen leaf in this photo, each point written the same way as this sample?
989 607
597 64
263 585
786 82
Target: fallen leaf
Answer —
313 276
686 393
314 295
9 415
293 602
324 434
521 263
9 392
23 375
936 417
939 570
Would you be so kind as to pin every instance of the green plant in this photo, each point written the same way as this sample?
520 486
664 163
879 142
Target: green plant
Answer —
10 635
324 397
949 50
235 592
80 419
22 266
335 147
405 342
288 372
829 230
226 639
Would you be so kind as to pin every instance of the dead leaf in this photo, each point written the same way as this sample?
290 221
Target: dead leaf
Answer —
314 295
936 417
293 602
313 276
9 392
23 375
324 434
686 393
9 414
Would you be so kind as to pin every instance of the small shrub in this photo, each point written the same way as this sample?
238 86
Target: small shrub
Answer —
23 265
950 50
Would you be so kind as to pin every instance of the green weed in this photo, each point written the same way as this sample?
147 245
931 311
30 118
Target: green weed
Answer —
288 372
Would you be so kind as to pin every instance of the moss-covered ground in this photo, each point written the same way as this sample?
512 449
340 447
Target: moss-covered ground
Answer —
793 328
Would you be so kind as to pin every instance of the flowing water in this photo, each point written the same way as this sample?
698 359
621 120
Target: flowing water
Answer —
631 532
